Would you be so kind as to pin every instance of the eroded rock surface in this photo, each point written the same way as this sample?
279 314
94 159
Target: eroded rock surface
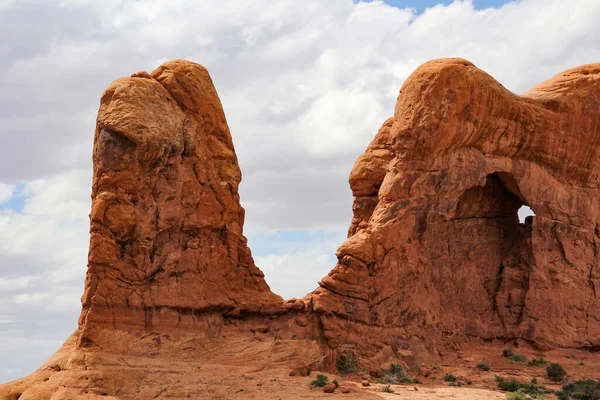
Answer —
436 259
436 250
166 222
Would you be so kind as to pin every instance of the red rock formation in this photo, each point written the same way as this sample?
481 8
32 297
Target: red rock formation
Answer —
169 271
436 255
435 260
166 222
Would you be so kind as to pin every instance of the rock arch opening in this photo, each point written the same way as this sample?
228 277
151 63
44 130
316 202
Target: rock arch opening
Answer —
500 197
526 214
494 224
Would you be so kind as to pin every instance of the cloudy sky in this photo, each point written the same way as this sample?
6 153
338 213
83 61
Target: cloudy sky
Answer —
305 85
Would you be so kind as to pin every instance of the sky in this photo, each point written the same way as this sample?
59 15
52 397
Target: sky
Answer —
305 86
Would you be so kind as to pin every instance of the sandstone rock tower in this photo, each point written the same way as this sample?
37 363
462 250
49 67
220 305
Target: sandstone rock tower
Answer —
436 257
166 222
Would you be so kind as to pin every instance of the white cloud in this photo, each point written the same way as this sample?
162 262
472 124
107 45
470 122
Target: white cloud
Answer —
297 274
6 192
305 86
66 196
43 257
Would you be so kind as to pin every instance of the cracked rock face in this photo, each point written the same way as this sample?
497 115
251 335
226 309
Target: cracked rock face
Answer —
166 222
436 259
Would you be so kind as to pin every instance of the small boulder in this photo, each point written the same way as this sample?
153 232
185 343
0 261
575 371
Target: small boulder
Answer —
329 388
345 390
365 383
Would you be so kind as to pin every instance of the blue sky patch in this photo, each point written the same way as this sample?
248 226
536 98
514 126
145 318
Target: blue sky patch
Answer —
288 241
421 5
17 201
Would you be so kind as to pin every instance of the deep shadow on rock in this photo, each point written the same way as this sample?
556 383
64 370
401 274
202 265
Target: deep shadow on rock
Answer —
436 259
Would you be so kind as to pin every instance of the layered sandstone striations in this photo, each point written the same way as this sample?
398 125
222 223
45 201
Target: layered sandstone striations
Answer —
436 259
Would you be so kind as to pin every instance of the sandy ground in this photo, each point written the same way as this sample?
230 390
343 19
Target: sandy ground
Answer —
275 384
409 392
240 371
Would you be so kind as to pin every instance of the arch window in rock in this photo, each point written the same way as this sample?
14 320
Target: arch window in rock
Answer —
524 212
492 219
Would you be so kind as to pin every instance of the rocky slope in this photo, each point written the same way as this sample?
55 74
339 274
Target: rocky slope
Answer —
436 259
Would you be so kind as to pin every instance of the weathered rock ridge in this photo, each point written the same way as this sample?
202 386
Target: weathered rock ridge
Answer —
436 258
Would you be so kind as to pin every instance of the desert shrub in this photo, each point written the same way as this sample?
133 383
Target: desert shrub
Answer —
587 389
507 353
407 379
320 381
395 369
522 396
483 366
517 396
395 375
457 384
537 362
520 358
509 386
449 377
525 389
392 375
346 364
534 380
555 372
562 396
336 383
387 389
